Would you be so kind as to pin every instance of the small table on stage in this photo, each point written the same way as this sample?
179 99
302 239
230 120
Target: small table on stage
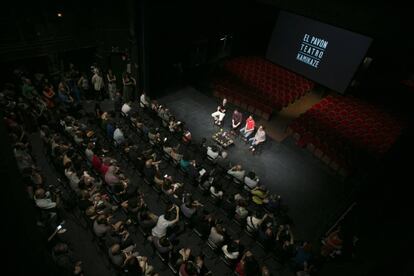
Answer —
223 138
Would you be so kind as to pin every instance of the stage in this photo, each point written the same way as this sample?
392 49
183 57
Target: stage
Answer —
313 193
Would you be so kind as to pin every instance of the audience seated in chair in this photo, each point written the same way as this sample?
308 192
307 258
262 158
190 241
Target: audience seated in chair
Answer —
237 172
259 195
284 242
170 218
254 222
126 108
251 181
217 235
189 208
248 265
213 152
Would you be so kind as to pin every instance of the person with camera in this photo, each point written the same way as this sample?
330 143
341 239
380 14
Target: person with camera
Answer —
169 219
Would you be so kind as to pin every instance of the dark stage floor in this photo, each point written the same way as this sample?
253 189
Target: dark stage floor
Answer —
314 194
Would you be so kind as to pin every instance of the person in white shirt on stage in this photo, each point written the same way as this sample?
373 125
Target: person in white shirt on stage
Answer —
219 115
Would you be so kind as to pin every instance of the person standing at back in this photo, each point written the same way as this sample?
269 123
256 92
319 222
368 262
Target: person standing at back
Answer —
98 84
129 86
111 78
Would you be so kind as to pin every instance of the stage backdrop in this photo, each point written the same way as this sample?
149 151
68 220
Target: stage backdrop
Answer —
321 52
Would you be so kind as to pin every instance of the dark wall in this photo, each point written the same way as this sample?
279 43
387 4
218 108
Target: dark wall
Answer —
189 32
86 32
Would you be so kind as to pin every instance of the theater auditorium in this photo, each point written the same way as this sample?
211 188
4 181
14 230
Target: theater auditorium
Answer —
236 137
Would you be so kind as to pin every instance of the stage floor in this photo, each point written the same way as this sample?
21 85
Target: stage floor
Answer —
314 194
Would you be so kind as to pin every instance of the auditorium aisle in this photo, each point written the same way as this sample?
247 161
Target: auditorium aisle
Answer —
79 239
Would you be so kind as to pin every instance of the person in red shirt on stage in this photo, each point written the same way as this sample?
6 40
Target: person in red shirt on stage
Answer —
248 129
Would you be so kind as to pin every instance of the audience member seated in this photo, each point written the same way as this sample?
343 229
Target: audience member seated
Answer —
185 162
302 257
204 223
174 125
231 250
222 162
64 259
78 138
132 267
89 151
154 137
118 235
200 265
248 128
173 152
73 177
166 220
100 226
248 265
259 195
216 236
251 181
241 212
110 129
119 257
332 244
133 205
102 205
154 105
163 246
164 114
169 187
274 203
187 137
266 234
216 190
111 176
189 207
254 222
150 169
188 269
119 136
237 172
126 108
181 256
158 179
213 152
147 220
284 243
258 138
